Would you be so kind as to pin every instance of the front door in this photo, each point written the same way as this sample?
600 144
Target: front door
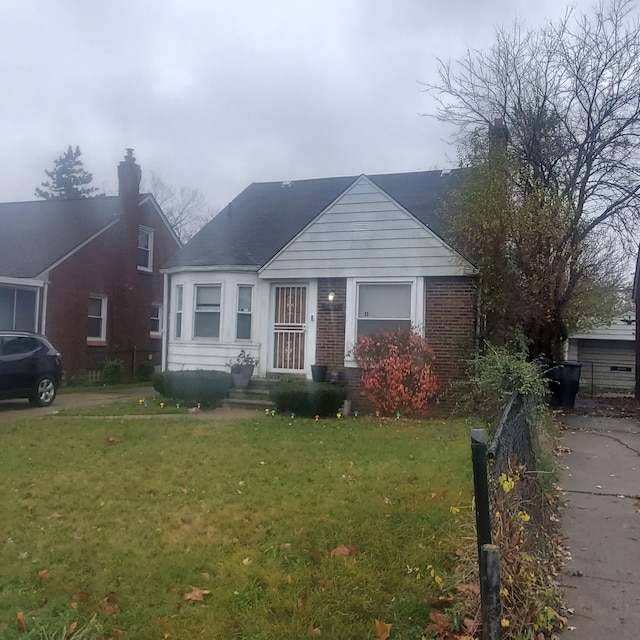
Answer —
289 327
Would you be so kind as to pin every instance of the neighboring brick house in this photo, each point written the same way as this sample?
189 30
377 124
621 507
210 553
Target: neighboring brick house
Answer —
85 272
292 272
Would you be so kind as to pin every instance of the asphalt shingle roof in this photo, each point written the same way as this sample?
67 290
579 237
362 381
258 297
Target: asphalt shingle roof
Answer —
35 235
266 216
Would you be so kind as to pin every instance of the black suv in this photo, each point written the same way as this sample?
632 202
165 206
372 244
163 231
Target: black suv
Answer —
30 367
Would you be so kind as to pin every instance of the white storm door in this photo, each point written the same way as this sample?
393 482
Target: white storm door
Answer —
289 327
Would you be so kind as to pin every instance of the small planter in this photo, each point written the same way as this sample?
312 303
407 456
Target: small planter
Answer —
319 372
241 374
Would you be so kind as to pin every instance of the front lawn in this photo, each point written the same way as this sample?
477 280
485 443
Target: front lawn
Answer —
291 528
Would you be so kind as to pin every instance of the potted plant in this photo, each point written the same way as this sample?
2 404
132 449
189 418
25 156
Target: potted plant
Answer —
242 369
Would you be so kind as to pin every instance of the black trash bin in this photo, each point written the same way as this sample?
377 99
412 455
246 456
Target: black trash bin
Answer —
564 382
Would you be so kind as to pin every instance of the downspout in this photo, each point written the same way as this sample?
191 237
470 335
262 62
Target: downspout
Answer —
44 308
165 320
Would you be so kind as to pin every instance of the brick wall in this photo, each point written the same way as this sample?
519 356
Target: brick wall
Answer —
450 320
331 323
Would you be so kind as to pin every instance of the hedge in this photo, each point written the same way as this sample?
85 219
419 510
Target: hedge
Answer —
306 398
202 386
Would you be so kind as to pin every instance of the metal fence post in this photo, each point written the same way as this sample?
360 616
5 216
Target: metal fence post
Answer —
481 487
490 592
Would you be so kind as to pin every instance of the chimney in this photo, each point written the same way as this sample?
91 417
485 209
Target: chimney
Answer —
129 177
499 132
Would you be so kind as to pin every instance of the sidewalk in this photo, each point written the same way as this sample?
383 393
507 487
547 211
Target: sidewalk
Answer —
600 476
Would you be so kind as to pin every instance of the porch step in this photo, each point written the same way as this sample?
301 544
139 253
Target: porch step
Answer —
255 396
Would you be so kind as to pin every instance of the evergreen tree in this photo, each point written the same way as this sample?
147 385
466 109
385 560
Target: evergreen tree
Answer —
68 180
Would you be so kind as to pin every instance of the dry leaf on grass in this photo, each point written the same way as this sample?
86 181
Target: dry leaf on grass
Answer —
196 594
382 630
72 629
43 576
109 604
440 624
20 623
343 550
315 633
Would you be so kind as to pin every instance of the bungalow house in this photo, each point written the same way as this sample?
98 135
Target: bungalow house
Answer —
85 272
293 272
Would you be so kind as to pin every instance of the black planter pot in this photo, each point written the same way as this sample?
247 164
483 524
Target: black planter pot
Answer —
319 372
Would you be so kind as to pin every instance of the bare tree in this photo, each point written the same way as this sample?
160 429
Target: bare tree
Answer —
569 93
186 209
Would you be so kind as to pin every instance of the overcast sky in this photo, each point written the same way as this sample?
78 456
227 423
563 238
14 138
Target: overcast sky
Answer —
217 94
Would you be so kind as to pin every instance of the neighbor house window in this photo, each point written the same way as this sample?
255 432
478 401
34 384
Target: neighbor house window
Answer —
156 320
18 309
245 309
145 249
97 318
207 311
179 296
383 307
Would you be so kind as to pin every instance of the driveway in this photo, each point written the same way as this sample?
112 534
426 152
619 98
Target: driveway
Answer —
21 408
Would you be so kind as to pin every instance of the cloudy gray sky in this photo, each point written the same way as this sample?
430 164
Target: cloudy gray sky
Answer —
216 94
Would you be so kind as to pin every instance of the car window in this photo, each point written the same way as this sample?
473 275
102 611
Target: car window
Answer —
16 345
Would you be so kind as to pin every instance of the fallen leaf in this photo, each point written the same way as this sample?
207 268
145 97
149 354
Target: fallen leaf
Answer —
388 501
118 633
44 575
302 600
441 602
196 595
315 632
343 550
113 440
441 624
72 629
325 583
468 589
382 630
20 623
109 604
315 555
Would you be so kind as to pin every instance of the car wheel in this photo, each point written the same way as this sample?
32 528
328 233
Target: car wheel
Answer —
44 392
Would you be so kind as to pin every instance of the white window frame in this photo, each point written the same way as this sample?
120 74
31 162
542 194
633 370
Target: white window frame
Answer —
240 312
156 318
351 308
179 316
103 319
196 311
150 234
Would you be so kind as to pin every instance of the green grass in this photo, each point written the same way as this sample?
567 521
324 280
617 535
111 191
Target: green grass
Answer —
248 510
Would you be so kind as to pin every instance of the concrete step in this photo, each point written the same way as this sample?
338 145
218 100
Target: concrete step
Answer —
258 403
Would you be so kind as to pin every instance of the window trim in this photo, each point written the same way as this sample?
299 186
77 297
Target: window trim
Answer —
244 313
219 285
94 340
150 233
179 315
351 308
156 334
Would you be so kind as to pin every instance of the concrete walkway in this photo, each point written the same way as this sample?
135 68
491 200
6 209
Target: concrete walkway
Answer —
601 523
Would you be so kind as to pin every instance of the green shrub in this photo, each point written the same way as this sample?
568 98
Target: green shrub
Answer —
496 375
200 386
307 398
112 371
144 371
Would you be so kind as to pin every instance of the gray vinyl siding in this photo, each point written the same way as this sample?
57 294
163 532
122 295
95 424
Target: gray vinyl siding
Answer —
366 234
604 363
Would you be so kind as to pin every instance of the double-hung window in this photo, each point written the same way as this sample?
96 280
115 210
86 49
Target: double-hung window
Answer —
383 307
207 311
97 325
155 325
145 249
179 299
244 312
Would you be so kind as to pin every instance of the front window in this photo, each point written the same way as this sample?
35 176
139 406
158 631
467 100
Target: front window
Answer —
245 308
179 297
145 249
18 309
207 311
156 320
97 318
383 307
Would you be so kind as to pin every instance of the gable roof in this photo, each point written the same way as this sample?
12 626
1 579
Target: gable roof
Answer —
266 216
36 235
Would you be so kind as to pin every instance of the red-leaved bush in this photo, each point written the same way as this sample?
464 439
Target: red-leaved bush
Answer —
397 372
